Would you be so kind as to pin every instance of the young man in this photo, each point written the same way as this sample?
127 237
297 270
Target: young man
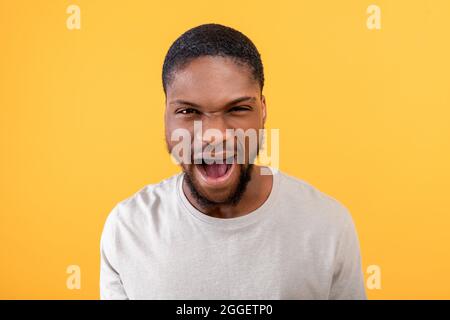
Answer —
223 228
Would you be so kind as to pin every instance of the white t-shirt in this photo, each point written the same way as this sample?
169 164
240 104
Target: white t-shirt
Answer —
299 244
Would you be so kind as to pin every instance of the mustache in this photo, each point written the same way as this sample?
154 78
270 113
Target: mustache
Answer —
228 151
216 153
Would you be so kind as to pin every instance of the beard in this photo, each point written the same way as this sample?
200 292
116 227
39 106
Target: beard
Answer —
236 191
234 196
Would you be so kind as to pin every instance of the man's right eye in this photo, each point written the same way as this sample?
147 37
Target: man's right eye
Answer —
187 111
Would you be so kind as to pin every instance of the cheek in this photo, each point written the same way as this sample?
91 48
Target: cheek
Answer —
168 134
177 128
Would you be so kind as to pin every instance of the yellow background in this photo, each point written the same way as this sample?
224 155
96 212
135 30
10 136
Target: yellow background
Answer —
363 115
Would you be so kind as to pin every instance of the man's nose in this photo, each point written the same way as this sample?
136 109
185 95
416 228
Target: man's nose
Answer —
214 130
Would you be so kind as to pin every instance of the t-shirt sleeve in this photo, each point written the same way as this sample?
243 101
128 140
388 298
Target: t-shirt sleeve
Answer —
111 286
348 280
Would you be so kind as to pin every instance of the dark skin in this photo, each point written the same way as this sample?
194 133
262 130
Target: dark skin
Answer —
224 95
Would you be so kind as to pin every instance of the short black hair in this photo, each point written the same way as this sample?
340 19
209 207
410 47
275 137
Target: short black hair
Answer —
212 40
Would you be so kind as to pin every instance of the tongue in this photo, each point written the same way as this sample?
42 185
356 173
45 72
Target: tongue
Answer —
215 170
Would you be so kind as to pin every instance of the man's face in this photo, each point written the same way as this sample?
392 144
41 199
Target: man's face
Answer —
222 94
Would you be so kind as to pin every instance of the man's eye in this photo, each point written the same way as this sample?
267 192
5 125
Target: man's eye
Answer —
187 111
239 109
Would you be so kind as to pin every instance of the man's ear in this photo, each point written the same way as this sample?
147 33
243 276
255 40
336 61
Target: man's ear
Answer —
263 108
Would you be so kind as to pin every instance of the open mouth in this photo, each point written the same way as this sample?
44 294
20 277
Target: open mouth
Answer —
215 172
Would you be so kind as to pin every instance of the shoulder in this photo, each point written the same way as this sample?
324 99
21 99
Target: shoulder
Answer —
135 211
308 202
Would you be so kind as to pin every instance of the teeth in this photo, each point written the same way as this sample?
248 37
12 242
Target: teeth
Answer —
229 160
207 161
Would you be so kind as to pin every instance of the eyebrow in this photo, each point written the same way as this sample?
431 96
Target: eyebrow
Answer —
228 104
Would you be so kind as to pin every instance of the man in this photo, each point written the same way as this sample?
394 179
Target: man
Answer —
223 228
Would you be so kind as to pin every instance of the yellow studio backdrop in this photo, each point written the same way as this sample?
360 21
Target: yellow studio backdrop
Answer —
364 115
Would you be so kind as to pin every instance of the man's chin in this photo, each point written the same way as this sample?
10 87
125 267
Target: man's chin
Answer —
213 190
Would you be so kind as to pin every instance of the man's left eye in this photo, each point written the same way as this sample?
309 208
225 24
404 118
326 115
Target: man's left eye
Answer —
239 109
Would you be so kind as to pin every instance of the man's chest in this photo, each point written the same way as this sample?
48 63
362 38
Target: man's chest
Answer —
249 266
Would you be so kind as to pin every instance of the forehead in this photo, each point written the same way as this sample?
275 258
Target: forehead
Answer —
212 79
